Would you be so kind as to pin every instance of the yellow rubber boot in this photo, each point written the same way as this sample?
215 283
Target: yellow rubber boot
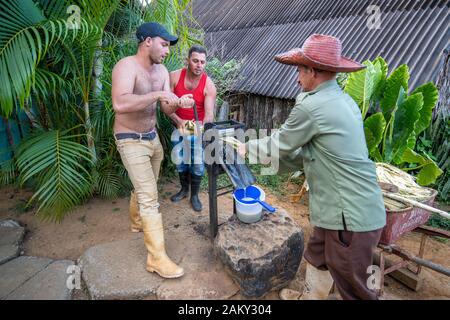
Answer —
157 259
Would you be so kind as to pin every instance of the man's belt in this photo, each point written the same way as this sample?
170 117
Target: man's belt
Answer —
138 136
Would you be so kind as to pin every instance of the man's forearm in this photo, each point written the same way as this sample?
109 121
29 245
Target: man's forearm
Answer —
208 118
175 118
133 102
167 108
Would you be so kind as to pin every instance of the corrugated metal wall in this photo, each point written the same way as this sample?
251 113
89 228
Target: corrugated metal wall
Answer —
412 32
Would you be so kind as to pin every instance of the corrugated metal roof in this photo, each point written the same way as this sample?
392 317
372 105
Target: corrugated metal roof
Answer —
412 32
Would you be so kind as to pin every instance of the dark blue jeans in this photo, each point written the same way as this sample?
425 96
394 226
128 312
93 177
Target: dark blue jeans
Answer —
187 154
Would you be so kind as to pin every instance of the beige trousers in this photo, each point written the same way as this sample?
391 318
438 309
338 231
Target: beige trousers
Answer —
142 159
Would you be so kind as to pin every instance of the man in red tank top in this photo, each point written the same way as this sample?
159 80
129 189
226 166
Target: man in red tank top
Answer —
192 80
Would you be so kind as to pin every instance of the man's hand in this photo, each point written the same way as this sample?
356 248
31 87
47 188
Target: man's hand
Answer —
186 101
181 123
169 97
181 126
236 144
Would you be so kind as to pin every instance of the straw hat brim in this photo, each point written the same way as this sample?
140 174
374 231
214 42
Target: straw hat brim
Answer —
296 57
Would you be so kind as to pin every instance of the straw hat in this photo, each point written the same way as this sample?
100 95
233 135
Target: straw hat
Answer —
320 52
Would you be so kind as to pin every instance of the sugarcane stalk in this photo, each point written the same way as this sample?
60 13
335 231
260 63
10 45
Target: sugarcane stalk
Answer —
417 204
235 143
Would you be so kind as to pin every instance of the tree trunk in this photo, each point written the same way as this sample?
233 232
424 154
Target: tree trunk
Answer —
89 133
96 88
98 69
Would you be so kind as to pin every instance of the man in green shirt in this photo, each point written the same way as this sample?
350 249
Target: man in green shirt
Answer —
324 136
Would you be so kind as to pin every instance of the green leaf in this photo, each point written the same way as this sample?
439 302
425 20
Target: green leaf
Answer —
374 127
430 97
361 85
405 118
398 79
379 87
8 172
410 156
428 174
376 156
57 165
383 66
411 143
429 171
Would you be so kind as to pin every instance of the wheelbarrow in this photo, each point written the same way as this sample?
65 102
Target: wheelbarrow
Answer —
399 222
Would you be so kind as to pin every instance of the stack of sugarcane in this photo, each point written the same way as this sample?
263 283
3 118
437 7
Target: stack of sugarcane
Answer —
407 193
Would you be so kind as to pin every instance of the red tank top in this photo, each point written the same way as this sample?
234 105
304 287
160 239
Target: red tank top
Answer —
199 97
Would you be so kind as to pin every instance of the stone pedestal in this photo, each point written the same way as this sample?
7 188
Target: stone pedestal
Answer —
261 256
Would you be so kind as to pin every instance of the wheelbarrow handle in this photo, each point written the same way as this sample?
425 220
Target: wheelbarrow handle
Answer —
417 204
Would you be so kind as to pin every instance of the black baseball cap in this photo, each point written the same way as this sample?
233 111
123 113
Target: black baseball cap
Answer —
153 29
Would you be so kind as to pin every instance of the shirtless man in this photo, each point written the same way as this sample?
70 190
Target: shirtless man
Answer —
138 83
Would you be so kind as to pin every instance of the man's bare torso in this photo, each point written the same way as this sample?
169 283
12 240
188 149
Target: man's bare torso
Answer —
146 81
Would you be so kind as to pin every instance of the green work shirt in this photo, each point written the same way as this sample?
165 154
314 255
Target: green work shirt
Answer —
324 136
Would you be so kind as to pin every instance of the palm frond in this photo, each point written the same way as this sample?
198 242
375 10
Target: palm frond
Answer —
107 181
8 172
24 40
57 164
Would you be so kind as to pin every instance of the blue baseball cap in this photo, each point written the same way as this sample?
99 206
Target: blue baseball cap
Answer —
153 29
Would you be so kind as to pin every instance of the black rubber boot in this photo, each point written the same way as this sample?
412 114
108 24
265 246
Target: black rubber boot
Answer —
195 188
184 181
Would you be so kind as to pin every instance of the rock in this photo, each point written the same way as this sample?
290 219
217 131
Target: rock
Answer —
198 285
205 276
9 223
116 270
11 237
8 252
16 272
202 224
48 284
261 256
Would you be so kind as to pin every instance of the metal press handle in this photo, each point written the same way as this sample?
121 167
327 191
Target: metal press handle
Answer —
196 121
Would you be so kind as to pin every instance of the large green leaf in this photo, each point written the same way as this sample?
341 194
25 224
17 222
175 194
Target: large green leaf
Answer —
383 65
429 171
405 118
361 85
430 97
55 162
389 132
398 79
379 87
374 127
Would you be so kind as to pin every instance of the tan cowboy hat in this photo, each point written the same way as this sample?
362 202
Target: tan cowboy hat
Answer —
320 52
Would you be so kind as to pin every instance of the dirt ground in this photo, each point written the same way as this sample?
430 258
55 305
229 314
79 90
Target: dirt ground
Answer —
100 221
